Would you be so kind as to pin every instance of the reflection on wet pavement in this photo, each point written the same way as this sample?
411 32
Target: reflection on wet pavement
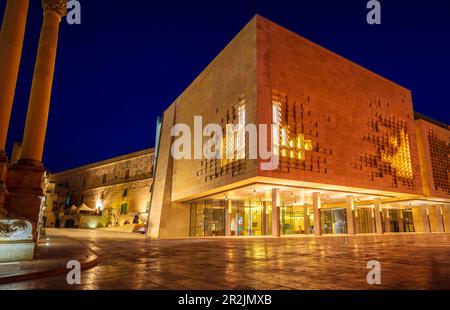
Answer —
414 261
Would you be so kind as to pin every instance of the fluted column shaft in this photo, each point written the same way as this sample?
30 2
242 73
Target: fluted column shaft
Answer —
11 43
38 107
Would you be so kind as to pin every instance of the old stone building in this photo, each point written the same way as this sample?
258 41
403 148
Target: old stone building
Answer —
109 193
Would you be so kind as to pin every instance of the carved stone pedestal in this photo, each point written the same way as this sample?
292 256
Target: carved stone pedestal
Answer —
26 194
16 240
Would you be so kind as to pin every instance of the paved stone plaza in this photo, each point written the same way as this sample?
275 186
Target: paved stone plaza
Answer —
130 261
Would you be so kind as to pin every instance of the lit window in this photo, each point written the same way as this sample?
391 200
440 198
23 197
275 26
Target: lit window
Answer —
240 139
124 208
276 112
276 119
233 144
308 145
401 160
283 137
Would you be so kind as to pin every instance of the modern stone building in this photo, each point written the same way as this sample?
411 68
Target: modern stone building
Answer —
109 193
354 158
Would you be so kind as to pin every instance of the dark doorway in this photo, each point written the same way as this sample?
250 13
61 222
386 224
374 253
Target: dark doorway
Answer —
69 224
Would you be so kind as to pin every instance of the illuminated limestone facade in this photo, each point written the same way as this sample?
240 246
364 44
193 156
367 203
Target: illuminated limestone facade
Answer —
110 193
353 159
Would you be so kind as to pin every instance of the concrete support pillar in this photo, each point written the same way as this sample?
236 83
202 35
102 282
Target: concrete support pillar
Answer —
373 227
264 218
276 206
378 213
41 89
446 217
228 212
440 219
307 224
267 215
317 219
425 219
350 215
11 43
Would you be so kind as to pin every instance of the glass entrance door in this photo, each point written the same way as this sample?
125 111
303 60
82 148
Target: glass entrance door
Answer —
408 220
334 221
364 221
296 220
248 218
207 218
394 218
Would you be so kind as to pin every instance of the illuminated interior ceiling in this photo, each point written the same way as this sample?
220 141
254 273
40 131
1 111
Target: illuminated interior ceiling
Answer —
411 204
263 192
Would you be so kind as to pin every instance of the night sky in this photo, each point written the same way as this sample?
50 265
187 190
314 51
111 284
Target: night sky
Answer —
129 59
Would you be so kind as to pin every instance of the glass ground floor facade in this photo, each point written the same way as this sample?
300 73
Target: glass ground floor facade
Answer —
208 219
246 218
239 214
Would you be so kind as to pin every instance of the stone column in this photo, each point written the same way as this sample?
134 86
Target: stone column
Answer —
425 219
41 89
276 205
378 213
317 219
228 211
26 179
387 221
350 215
440 219
11 43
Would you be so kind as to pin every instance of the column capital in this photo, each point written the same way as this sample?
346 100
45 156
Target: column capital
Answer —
57 6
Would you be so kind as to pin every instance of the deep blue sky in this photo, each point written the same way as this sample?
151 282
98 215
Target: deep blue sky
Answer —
130 59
